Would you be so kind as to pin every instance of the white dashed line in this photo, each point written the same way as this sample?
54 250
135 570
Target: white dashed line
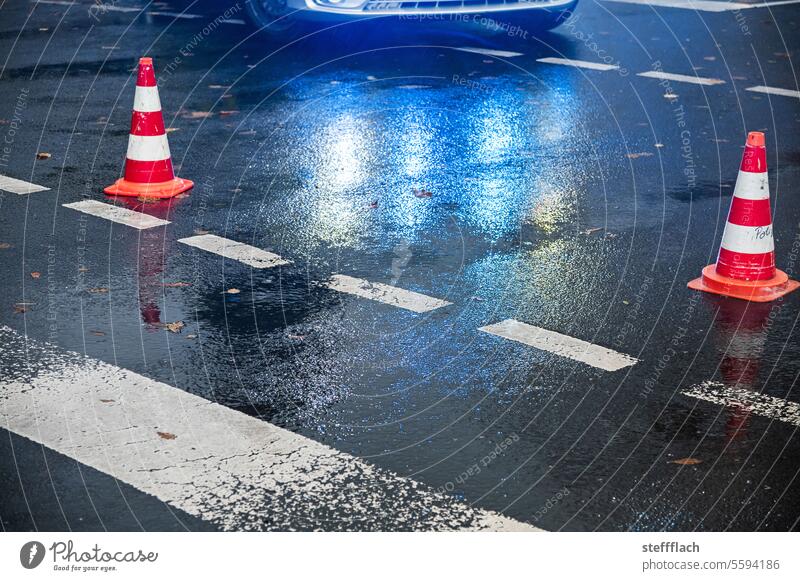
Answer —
175 15
384 293
758 403
233 21
702 5
116 214
99 8
577 63
775 91
681 78
20 187
225 467
562 345
489 52
244 253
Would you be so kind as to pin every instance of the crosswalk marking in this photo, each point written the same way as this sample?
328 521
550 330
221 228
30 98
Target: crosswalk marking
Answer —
384 293
116 214
244 253
215 463
774 91
758 403
577 63
563 345
20 187
489 52
681 78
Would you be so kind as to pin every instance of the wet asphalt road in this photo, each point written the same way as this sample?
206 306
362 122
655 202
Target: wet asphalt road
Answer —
576 200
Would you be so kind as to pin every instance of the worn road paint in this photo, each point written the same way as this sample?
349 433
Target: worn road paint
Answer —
563 345
244 253
681 78
384 293
116 214
774 91
758 403
577 63
489 52
20 187
702 5
228 468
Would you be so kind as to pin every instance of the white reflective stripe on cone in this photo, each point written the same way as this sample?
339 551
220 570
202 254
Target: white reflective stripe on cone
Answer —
748 239
148 147
146 100
752 186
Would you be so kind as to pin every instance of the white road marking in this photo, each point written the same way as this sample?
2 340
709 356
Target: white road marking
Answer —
562 345
175 15
116 214
701 5
758 403
94 8
233 21
384 293
775 91
225 467
244 253
681 78
16 186
577 63
489 52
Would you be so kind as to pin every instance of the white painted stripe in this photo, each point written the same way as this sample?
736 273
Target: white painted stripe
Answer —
148 147
748 239
384 293
681 78
752 185
146 100
562 345
577 63
775 91
95 9
702 5
116 214
233 21
225 467
488 51
753 401
16 186
244 253
175 15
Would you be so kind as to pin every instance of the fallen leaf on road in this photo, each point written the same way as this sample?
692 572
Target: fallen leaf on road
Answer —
686 461
166 435
233 291
43 155
98 333
197 114
638 155
179 284
4 245
36 274
107 400
174 327
20 308
98 290
83 269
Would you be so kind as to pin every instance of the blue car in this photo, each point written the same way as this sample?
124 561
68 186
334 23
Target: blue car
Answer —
511 17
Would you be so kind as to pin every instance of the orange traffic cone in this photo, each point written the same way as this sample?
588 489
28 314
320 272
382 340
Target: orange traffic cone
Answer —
148 164
745 267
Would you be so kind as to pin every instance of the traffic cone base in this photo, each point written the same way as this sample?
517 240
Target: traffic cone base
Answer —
759 291
158 190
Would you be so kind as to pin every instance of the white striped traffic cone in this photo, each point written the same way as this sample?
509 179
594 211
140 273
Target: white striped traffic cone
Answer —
745 267
148 164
